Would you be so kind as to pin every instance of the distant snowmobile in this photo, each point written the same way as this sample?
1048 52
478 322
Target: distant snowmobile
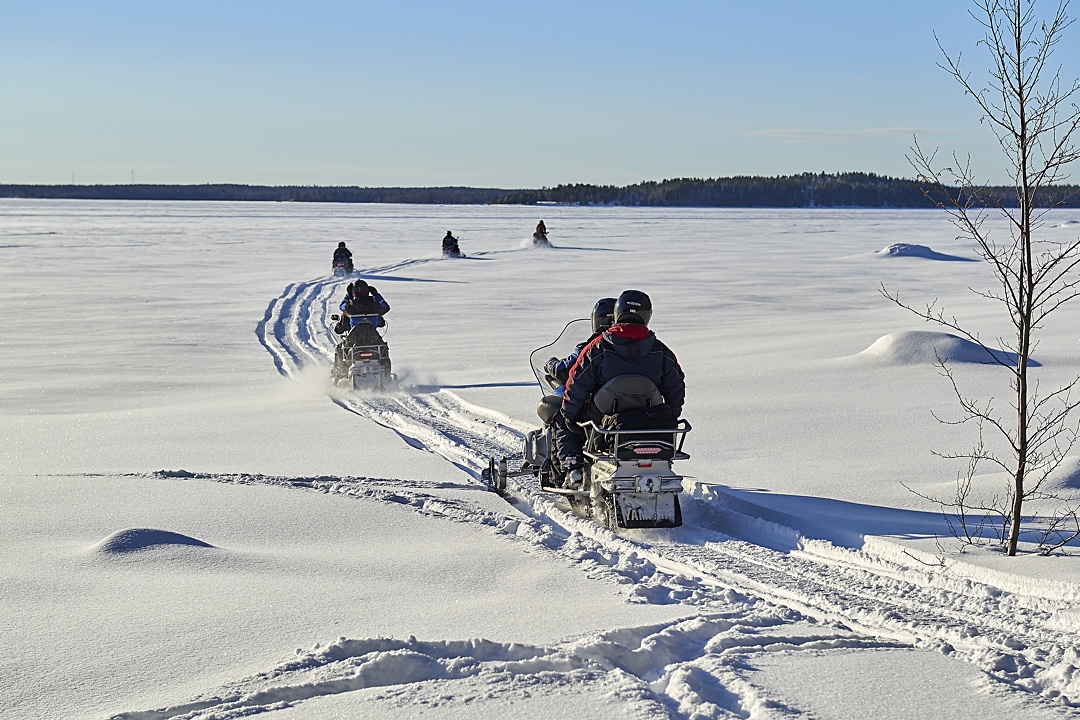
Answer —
362 358
450 247
342 264
628 476
540 240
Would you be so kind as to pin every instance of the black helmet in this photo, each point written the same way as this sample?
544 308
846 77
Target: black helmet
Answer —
603 314
633 306
341 244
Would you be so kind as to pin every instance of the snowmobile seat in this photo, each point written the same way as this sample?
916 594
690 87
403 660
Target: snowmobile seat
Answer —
549 407
626 392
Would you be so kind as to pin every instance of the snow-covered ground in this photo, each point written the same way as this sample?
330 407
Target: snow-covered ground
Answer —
194 523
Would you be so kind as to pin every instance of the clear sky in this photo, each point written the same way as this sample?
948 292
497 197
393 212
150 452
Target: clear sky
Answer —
481 93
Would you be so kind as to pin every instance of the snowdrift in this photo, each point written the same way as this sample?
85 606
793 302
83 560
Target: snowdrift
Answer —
917 251
920 347
134 539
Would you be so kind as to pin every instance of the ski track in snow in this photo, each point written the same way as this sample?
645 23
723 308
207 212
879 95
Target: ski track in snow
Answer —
744 598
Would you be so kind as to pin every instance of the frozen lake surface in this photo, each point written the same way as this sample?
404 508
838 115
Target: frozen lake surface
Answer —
195 523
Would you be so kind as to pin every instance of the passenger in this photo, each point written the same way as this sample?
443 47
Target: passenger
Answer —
626 348
343 254
363 312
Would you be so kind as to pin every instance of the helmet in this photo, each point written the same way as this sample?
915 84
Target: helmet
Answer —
360 287
603 314
633 306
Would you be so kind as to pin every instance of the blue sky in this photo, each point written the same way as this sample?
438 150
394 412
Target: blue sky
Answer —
493 94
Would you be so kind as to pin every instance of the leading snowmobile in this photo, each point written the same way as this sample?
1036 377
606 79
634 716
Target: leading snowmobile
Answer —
342 264
450 247
627 471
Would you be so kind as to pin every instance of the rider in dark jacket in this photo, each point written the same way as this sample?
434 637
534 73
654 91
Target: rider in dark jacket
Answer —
627 348
450 244
343 254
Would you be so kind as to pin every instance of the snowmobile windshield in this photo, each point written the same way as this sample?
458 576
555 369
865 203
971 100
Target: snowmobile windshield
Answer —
576 331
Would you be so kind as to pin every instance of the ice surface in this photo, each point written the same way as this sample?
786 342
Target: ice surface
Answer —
194 522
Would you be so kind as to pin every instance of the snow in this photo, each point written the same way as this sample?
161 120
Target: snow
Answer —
194 523
921 347
898 250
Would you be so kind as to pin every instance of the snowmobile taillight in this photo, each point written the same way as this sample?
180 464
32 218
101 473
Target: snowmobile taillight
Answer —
646 450
367 354
644 463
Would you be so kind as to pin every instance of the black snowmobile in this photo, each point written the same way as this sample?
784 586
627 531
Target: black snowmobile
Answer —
342 264
362 357
450 247
627 471
540 239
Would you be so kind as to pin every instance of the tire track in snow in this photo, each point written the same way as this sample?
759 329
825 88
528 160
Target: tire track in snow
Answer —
1007 635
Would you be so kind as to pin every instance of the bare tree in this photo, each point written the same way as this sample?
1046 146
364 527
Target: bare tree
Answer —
1034 118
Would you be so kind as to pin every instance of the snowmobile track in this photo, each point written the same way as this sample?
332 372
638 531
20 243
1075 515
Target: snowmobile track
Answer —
1011 637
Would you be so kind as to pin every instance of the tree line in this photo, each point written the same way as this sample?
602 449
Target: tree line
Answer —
807 190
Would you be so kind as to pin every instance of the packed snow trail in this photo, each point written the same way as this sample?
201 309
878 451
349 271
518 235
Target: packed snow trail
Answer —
1012 637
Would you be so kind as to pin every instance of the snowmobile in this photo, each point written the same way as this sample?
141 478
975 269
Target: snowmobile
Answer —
540 240
342 268
628 477
363 366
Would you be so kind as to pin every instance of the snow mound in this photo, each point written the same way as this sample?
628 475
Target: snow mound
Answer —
919 251
920 347
1065 479
134 539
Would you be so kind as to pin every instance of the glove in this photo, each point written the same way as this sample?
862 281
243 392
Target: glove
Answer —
550 364
372 290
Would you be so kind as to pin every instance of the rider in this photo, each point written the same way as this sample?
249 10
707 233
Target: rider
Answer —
626 348
343 254
541 228
359 309
450 244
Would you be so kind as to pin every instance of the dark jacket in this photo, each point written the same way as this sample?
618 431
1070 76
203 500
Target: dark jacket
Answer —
342 255
623 350
365 304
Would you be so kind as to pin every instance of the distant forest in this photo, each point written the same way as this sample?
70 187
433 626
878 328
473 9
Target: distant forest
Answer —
808 190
